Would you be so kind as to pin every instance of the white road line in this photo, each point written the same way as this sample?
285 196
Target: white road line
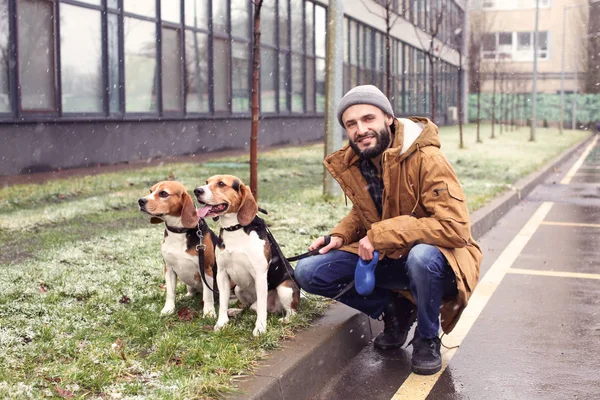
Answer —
567 179
561 274
418 386
574 224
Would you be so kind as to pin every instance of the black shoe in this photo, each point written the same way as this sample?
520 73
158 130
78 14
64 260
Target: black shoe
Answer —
426 357
398 316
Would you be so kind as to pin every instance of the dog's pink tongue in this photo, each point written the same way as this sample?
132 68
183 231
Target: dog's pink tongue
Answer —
203 211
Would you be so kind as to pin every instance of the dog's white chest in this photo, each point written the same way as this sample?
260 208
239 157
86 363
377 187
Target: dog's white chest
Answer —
185 265
243 257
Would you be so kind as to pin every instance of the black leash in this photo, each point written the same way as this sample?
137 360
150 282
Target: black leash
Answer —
200 248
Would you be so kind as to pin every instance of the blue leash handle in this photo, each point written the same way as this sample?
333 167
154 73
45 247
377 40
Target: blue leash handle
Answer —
364 275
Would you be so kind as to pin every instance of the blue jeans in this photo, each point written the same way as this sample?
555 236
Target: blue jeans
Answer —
424 271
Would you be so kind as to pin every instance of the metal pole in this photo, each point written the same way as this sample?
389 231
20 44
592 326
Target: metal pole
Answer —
562 73
534 90
333 88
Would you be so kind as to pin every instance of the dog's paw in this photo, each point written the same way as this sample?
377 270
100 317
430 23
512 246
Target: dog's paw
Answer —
209 313
288 317
259 329
167 310
221 324
233 312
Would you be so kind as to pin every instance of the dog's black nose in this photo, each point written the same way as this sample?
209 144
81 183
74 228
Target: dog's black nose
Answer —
142 202
198 191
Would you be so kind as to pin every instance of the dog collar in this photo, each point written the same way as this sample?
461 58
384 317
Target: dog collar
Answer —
177 229
233 228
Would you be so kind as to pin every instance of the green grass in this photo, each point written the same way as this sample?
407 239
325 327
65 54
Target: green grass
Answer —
81 271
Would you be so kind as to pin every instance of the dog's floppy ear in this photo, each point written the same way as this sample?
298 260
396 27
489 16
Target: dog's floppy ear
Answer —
189 218
156 220
248 207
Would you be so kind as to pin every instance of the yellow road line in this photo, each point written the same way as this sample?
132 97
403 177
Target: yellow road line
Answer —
418 386
561 274
567 179
577 224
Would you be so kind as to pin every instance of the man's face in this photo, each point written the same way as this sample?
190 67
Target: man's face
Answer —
368 129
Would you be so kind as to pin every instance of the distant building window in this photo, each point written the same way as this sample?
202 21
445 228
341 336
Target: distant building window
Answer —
517 46
81 59
170 11
140 65
36 55
5 98
513 4
140 7
196 13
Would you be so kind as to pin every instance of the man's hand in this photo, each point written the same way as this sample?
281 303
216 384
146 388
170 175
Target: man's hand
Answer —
365 249
335 243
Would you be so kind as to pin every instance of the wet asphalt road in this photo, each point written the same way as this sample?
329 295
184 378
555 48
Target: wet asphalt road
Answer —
538 336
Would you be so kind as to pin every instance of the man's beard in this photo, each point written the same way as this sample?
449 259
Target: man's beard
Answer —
383 141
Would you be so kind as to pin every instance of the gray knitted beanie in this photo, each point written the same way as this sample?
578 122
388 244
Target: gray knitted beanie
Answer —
365 94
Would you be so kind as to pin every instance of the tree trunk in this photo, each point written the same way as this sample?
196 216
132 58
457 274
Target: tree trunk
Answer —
388 58
478 114
461 144
501 103
431 86
493 106
255 101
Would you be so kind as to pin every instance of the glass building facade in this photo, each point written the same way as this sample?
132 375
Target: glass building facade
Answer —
64 61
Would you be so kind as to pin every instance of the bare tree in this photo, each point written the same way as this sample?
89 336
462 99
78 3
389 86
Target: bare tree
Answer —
390 19
255 100
433 50
479 23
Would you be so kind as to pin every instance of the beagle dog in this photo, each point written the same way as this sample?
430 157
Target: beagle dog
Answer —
169 202
244 254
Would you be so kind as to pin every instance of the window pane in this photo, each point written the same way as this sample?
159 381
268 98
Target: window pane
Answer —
94 2
283 24
113 64
240 19
297 83
141 7
542 41
239 78
81 59
524 41
170 10
268 80
320 33
297 22
284 74
489 42
140 65
196 57
5 105
221 74
220 16
320 85
267 24
172 95
196 13
36 55
310 84
310 30
505 38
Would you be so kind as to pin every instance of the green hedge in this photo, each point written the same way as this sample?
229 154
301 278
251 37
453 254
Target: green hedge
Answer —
548 107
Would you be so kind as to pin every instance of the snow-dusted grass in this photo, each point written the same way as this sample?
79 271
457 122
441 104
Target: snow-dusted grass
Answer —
81 271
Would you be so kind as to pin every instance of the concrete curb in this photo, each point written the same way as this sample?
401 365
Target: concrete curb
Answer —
304 365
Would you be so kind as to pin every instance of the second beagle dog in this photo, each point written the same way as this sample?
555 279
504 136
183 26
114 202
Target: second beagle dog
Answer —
169 202
244 253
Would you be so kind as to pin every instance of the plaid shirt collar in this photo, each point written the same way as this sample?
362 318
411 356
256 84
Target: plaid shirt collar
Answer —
374 182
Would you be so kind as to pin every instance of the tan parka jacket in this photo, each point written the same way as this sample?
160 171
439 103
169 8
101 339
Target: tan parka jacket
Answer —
423 202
